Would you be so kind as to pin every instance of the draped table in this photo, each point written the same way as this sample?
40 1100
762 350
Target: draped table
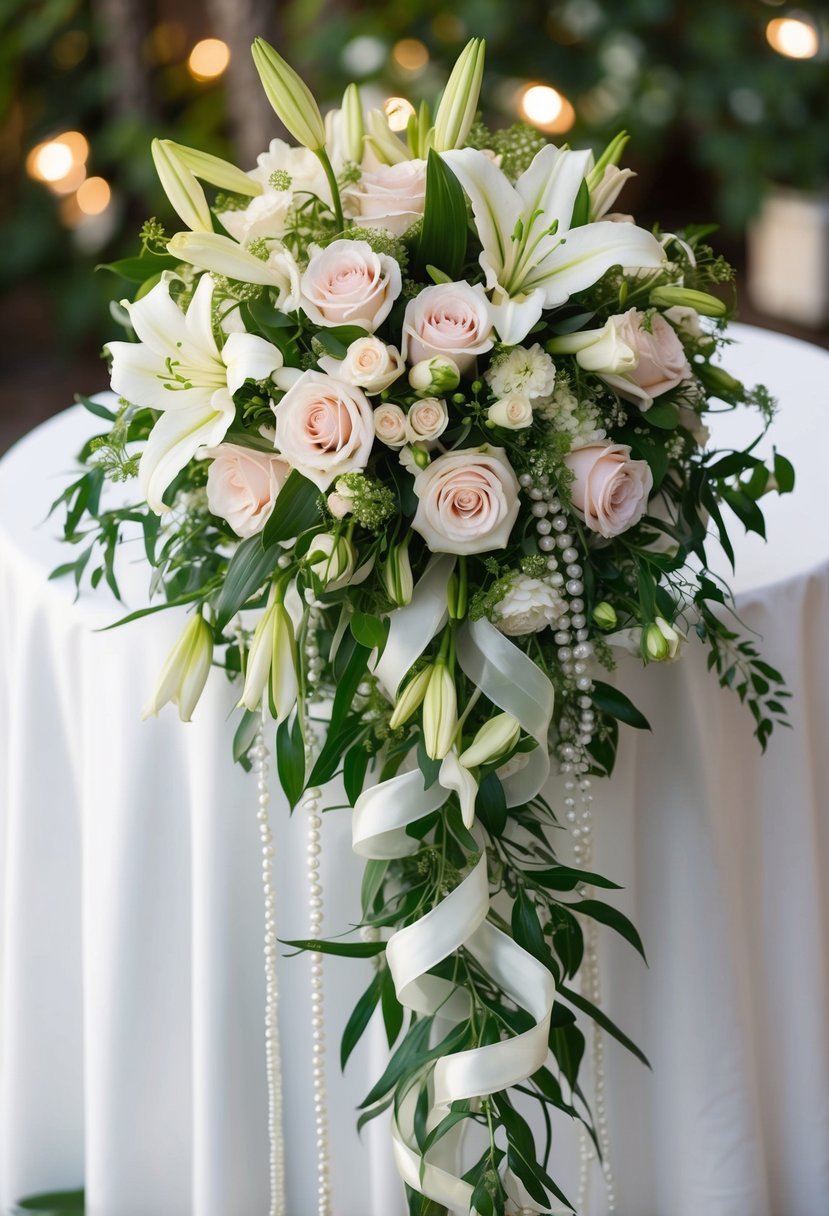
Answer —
131 979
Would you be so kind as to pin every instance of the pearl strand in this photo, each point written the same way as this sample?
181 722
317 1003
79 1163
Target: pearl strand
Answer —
574 652
276 1140
311 807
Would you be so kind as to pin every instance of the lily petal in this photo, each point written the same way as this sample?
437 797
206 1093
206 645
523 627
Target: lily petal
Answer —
249 357
585 254
453 776
139 375
496 204
199 321
514 317
223 255
174 441
158 321
551 185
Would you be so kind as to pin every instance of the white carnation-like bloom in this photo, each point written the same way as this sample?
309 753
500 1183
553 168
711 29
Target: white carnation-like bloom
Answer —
529 606
287 175
526 370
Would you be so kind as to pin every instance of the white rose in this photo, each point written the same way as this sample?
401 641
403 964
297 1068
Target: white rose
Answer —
609 490
391 196
448 319
426 421
390 425
661 362
686 321
513 412
267 214
324 428
368 363
467 501
242 486
347 283
528 607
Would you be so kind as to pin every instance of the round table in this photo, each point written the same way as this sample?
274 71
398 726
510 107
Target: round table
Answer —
131 985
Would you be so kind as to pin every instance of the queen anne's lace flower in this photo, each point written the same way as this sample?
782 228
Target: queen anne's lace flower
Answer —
529 371
529 606
577 418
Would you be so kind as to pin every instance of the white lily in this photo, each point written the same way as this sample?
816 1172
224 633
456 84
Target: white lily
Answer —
177 368
185 670
454 775
222 255
272 663
531 256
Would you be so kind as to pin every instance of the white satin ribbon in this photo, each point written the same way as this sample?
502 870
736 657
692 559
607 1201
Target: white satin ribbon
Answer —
513 683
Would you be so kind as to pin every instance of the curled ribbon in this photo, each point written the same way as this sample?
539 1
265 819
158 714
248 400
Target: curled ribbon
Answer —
512 682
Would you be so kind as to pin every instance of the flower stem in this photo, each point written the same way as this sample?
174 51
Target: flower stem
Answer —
335 189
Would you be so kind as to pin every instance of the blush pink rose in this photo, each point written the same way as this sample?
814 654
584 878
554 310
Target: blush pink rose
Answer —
324 428
610 491
467 501
661 363
391 196
242 486
347 283
448 319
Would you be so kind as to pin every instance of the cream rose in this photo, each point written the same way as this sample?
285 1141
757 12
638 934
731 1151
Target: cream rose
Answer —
347 283
390 425
242 486
324 428
467 501
661 363
391 196
514 412
426 421
448 319
609 489
368 363
528 607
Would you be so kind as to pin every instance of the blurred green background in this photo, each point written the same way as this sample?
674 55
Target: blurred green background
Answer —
725 100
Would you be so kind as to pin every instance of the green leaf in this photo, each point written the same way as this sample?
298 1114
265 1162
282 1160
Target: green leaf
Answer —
443 236
369 630
566 1042
342 949
373 875
568 940
746 511
247 570
409 1050
334 748
527 931
663 415
611 701
393 1011
338 338
58 1203
355 766
563 878
245 734
581 207
359 1019
290 758
139 269
347 687
783 474
491 805
188 598
95 407
601 1019
613 918
296 510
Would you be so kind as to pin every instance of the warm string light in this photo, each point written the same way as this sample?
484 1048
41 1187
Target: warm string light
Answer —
793 37
546 108
208 59
410 55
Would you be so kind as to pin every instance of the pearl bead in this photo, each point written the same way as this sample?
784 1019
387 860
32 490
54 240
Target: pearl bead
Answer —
564 541
539 509
573 570
574 586
536 495
525 481
546 543
543 527
283 561
570 555
560 523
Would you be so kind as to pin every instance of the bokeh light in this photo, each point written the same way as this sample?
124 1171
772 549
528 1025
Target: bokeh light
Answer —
546 108
398 111
60 162
208 59
410 55
94 196
793 38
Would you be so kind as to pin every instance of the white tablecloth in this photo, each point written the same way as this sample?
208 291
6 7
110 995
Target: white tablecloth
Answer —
131 990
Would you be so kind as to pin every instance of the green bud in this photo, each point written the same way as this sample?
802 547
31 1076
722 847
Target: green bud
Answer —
421 457
290 96
272 664
685 297
185 670
181 187
353 126
440 712
396 573
495 738
459 102
410 699
213 169
655 644
604 615
434 377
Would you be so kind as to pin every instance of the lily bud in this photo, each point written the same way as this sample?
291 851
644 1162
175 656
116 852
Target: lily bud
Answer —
353 128
396 573
332 559
272 664
409 700
611 156
495 738
290 96
385 144
420 456
185 671
661 641
223 255
440 712
598 350
179 183
604 615
686 297
434 377
213 169
459 102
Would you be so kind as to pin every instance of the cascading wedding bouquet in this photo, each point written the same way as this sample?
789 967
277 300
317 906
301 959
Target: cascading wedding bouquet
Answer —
437 416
